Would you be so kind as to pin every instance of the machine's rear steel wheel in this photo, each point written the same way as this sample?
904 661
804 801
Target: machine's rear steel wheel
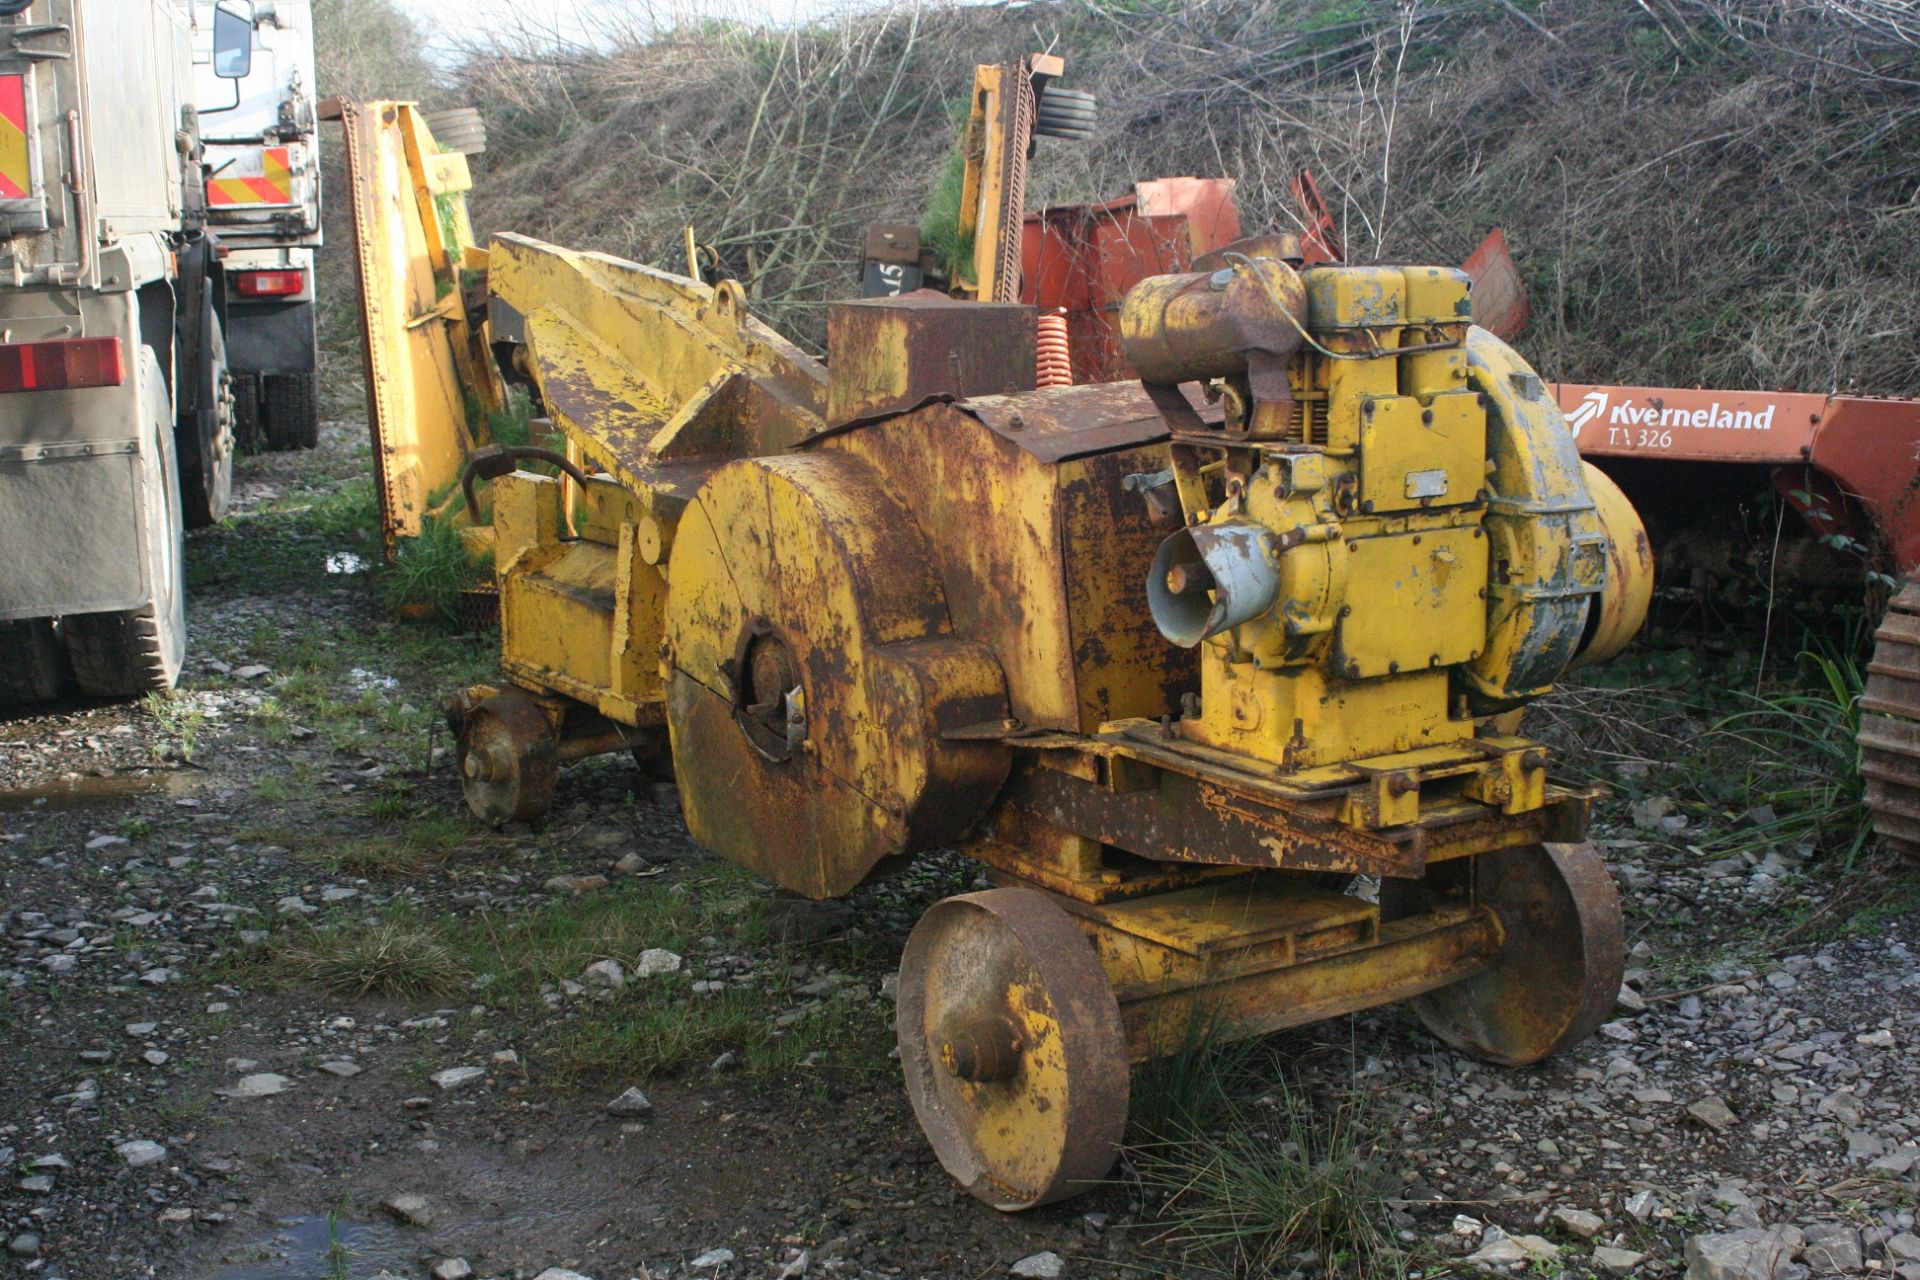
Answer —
1890 725
509 759
1011 1041
1558 972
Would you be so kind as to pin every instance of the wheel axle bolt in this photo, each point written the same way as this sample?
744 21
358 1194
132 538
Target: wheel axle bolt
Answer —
980 1054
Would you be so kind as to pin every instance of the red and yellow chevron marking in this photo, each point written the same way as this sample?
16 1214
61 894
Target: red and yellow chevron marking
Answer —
274 186
16 180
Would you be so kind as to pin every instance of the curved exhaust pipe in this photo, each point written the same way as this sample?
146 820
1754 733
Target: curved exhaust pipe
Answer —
1212 577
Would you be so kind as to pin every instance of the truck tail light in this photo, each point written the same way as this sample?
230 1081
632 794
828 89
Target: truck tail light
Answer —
62 365
269 284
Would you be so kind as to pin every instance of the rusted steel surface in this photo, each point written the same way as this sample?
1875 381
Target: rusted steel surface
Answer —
1012 1047
1500 302
1188 819
890 355
1082 258
809 551
1621 607
1121 666
1059 424
644 368
1890 725
1177 328
993 536
1405 959
1558 970
508 758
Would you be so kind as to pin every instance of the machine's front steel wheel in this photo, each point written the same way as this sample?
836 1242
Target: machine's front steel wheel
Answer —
1011 1041
509 759
1558 972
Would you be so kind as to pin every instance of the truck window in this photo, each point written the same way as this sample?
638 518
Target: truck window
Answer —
232 40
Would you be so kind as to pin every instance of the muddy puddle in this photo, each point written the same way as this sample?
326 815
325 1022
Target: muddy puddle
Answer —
81 791
322 1247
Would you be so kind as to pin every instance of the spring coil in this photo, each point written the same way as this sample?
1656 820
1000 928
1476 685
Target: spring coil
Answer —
1053 354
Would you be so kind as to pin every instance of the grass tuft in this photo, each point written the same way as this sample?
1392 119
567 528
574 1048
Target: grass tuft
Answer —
1275 1176
431 573
389 958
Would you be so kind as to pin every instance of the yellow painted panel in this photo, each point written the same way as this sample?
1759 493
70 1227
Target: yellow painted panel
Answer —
1419 602
1414 455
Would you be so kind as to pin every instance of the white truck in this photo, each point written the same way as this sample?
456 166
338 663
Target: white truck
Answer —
263 205
116 428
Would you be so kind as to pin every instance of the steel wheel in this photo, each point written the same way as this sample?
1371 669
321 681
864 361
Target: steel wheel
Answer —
1011 1042
1558 972
508 760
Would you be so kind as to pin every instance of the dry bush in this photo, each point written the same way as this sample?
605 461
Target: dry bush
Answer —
362 49
1699 191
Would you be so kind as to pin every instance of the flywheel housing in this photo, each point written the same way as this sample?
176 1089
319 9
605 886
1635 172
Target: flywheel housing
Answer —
822 714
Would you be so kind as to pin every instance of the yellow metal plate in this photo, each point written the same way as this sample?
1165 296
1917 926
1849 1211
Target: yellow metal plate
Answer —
1413 455
1425 604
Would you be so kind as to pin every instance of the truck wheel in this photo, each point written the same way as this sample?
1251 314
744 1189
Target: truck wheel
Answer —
249 433
292 411
122 655
206 436
35 668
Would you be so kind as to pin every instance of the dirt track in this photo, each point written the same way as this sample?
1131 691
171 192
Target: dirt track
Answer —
165 868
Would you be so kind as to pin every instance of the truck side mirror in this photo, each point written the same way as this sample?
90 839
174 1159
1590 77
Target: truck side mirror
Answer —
232 39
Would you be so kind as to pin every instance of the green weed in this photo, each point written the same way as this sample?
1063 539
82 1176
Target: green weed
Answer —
432 572
424 845
178 718
338 1253
1803 762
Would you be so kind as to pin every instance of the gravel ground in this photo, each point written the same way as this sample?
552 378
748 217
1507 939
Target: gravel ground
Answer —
180 1098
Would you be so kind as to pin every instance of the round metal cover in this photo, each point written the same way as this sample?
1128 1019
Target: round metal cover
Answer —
1011 1041
508 761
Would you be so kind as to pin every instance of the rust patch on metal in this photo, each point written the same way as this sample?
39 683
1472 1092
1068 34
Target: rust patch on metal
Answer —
1890 725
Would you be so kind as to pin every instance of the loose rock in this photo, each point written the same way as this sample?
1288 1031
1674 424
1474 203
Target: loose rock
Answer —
457 1077
141 1153
261 1084
409 1207
655 961
1748 1254
1580 1222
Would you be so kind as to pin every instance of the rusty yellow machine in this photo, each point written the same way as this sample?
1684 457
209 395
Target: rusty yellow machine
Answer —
1177 659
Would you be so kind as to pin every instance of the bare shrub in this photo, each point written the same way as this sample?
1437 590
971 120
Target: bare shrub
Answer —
1699 191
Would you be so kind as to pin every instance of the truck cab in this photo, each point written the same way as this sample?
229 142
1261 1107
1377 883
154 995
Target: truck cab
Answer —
258 121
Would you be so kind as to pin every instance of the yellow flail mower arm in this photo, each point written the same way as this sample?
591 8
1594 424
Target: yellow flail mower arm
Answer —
431 381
